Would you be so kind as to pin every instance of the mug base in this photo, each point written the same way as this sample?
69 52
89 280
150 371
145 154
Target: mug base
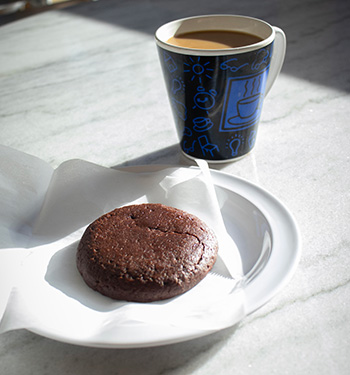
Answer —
223 161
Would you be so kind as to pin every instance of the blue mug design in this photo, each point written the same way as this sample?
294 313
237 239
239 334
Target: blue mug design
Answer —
217 95
243 102
202 124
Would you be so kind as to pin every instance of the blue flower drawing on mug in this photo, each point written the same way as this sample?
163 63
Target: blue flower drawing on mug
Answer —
197 68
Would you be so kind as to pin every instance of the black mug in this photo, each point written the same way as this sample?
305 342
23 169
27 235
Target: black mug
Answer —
216 95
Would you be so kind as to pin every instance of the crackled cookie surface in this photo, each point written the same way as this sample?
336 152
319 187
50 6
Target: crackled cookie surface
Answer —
146 252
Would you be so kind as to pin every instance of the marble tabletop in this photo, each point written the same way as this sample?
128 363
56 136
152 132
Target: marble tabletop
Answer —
85 82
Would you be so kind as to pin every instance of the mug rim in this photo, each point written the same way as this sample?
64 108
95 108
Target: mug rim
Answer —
175 24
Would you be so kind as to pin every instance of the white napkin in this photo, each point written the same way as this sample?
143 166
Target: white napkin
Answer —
44 213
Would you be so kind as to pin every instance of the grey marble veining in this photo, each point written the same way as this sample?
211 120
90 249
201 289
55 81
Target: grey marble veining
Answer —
85 82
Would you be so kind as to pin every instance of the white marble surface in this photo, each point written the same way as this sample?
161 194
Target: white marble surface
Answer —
85 83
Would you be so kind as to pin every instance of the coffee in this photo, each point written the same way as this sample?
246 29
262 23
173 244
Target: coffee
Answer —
214 39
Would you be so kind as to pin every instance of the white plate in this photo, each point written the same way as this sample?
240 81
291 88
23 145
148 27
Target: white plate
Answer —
269 243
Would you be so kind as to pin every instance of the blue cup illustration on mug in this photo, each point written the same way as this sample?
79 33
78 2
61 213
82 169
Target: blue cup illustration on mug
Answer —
217 95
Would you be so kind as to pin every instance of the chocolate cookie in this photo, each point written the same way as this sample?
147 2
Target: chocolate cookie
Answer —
146 252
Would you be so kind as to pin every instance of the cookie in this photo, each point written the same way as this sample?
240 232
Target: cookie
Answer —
147 252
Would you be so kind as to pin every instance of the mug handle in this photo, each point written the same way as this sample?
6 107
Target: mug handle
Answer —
277 59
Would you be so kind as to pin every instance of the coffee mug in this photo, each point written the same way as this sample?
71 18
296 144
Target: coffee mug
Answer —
216 92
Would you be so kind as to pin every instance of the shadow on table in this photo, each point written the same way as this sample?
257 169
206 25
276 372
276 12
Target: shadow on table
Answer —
316 51
170 155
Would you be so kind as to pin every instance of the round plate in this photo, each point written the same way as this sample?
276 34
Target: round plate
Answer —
267 237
